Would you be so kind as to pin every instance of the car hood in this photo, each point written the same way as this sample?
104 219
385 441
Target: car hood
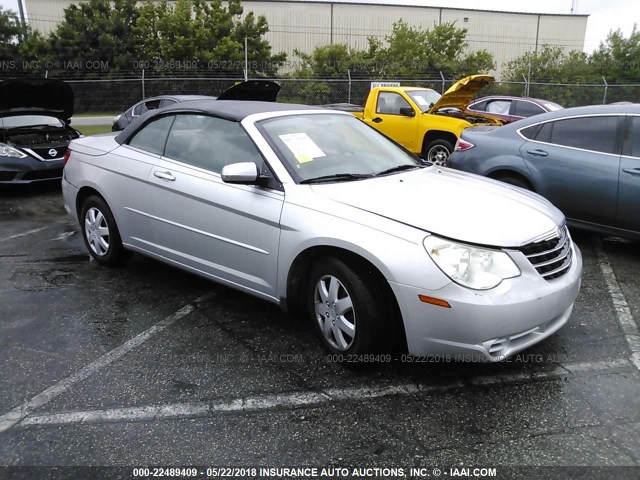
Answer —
36 96
462 92
256 90
452 204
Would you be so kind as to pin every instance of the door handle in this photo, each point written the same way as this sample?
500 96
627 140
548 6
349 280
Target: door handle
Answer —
164 176
632 171
538 153
376 120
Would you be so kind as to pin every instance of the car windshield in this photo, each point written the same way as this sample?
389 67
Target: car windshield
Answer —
424 98
333 147
30 121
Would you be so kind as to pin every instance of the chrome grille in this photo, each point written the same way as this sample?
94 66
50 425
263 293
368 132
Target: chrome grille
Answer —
551 258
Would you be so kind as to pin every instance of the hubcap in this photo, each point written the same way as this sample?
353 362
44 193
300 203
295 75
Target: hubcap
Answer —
334 312
97 231
438 155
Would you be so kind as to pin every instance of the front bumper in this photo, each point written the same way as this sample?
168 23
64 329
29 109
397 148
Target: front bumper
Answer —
29 170
489 325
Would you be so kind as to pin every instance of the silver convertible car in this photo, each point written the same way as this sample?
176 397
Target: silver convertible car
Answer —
315 211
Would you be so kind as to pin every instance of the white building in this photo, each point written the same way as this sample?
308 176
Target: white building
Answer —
304 25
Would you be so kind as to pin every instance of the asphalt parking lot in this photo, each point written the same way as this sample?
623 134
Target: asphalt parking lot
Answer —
147 365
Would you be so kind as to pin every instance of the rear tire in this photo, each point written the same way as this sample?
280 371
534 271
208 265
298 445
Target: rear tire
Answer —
346 308
437 152
100 233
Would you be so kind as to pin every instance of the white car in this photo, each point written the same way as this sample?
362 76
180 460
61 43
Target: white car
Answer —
315 211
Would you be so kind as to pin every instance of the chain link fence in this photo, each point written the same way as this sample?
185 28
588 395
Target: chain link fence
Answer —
115 95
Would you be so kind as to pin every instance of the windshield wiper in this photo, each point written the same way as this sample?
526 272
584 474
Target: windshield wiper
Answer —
399 168
338 177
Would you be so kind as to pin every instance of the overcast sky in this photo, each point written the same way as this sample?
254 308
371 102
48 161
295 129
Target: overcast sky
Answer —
605 15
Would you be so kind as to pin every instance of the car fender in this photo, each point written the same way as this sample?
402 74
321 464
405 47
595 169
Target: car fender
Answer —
452 125
399 258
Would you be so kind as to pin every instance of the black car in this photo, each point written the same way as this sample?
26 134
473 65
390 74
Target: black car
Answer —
34 129
261 90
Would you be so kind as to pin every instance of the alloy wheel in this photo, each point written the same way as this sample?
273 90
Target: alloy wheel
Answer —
96 230
438 155
334 312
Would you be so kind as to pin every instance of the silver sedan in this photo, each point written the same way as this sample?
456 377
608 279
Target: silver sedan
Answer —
315 211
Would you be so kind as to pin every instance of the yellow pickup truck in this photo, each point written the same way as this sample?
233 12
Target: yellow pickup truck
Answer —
423 121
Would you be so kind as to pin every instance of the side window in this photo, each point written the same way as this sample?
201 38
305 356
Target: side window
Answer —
527 109
144 107
150 105
499 106
153 136
479 107
590 133
390 103
210 143
634 137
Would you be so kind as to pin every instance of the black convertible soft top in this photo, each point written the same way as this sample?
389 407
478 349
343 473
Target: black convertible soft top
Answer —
235 110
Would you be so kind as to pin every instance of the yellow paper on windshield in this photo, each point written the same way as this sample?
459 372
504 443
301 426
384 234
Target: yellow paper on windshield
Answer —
302 147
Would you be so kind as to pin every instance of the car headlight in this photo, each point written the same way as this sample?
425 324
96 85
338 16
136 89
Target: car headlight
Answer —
8 151
473 267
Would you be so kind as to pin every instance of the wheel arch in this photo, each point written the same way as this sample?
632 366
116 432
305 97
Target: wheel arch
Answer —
432 135
297 281
499 173
84 193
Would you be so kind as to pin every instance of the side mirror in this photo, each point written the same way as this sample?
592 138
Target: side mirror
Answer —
243 173
407 112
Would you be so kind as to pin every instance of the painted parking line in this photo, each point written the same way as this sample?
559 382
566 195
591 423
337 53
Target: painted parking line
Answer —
621 307
23 234
313 398
20 412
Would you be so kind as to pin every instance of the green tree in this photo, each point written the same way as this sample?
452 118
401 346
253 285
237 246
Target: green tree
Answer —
408 52
618 58
415 52
207 34
328 61
19 43
11 32
96 31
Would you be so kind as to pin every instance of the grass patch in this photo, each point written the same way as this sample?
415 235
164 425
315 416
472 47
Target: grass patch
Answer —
96 114
93 129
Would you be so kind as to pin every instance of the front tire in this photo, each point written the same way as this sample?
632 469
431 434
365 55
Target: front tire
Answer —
437 152
100 233
346 309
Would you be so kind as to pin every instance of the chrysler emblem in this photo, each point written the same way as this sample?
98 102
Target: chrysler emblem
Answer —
53 152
